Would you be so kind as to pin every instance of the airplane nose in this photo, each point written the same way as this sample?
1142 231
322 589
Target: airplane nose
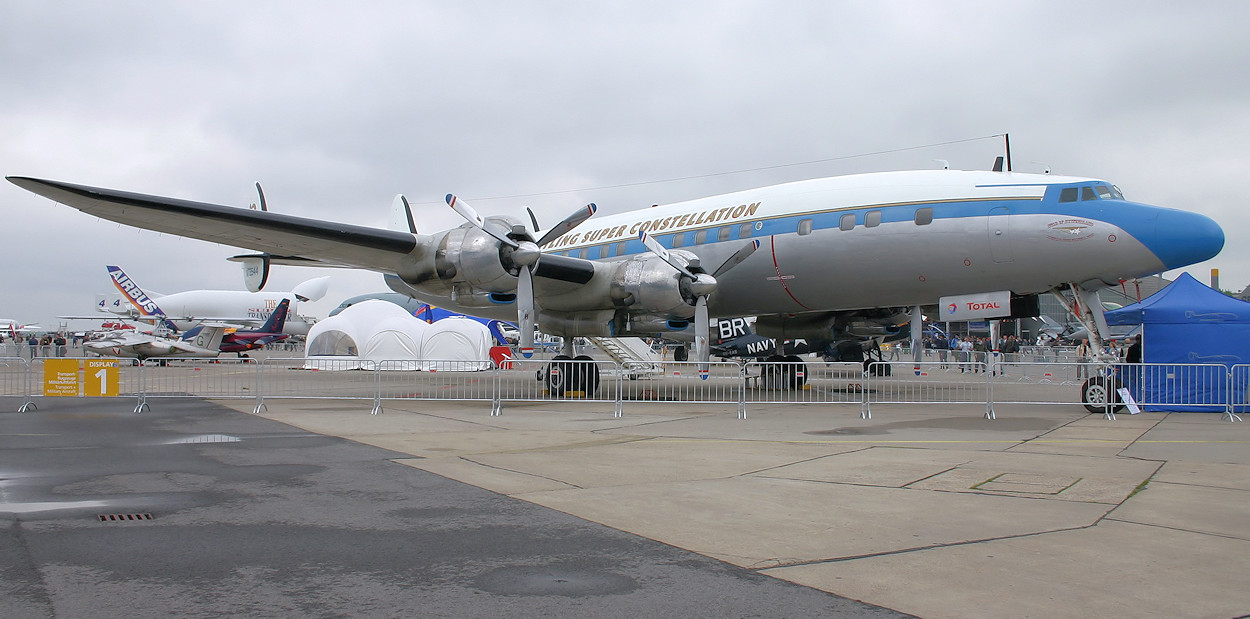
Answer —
1183 238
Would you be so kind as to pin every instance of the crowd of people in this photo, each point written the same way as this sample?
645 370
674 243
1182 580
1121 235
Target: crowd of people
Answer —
972 353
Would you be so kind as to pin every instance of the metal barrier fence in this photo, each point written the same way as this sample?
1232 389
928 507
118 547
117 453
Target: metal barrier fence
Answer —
1188 387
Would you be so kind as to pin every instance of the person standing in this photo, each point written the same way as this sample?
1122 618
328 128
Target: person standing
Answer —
1133 354
1082 359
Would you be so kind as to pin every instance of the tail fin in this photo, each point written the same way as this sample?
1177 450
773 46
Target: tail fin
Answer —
148 308
277 318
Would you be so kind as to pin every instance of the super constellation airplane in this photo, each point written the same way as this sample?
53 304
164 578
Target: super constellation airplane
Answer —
841 257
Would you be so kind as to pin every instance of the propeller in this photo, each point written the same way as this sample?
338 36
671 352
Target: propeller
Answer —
700 285
525 255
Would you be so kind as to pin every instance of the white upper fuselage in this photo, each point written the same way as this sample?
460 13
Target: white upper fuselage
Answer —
902 239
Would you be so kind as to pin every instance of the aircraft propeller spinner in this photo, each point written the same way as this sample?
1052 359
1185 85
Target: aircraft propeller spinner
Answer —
701 285
525 255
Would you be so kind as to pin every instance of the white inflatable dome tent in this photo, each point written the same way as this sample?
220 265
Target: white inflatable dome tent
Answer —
381 335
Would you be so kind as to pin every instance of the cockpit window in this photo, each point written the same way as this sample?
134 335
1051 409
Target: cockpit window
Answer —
1108 192
1068 194
1087 193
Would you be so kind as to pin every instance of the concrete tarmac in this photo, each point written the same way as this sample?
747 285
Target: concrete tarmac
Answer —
193 509
1046 511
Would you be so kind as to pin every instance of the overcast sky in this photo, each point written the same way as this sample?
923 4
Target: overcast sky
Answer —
336 107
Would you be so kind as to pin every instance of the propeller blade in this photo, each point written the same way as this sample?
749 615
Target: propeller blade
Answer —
570 222
659 250
701 349
737 258
525 312
470 215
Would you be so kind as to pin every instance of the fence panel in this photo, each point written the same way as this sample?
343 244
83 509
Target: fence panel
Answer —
299 378
436 380
1175 387
521 380
898 382
781 382
205 378
15 381
681 382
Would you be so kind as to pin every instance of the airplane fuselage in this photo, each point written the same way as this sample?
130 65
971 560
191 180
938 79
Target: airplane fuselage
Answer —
895 239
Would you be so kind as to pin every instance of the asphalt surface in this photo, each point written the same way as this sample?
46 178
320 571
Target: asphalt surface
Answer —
253 517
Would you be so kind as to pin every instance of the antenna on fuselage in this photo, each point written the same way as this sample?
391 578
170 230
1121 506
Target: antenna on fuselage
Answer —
1044 166
1007 143
946 165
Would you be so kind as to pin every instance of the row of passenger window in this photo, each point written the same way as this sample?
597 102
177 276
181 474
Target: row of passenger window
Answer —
700 237
872 219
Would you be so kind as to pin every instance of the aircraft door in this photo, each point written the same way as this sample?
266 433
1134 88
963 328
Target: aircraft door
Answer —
999 228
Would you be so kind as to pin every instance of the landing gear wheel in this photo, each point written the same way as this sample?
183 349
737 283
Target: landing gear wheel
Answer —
773 373
1099 393
680 353
587 375
796 372
559 375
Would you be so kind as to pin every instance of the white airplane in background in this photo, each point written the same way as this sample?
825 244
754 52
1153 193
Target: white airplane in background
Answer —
12 328
844 257
186 309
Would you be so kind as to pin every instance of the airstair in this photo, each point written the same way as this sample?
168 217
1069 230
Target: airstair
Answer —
633 353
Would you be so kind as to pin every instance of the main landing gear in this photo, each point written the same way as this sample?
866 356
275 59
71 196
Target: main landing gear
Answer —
778 372
566 376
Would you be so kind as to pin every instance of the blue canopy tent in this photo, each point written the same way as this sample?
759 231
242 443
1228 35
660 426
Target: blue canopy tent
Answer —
1187 324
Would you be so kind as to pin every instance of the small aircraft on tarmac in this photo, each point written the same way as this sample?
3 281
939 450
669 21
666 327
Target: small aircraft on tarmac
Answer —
239 342
824 259
130 344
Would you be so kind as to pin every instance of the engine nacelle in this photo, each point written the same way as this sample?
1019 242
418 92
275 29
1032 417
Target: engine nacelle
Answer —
648 285
465 262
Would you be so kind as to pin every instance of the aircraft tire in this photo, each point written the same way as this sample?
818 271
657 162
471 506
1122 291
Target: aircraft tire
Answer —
559 375
1099 392
681 354
796 374
587 375
773 375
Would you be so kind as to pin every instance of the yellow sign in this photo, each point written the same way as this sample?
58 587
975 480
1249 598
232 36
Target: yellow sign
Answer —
60 377
99 377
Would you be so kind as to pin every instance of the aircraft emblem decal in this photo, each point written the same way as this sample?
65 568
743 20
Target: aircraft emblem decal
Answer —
1068 230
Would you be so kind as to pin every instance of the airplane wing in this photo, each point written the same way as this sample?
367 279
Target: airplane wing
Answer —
310 242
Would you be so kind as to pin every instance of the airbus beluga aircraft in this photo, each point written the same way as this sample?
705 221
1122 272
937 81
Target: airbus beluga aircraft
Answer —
823 259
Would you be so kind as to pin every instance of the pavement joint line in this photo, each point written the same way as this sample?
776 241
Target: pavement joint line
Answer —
888 553
525 473
1155 525
942 472
803 461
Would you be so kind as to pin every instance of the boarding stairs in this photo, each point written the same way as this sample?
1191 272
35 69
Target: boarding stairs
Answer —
633 353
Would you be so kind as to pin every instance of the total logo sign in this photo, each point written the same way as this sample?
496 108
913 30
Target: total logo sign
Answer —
975 306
